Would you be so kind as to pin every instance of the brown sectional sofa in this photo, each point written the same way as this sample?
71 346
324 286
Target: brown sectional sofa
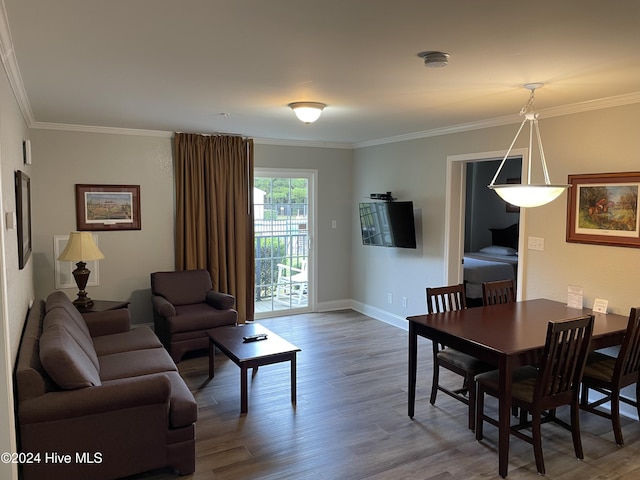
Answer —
109 396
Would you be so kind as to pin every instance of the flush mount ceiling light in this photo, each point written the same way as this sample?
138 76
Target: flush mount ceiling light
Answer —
307 112
528 194
433 59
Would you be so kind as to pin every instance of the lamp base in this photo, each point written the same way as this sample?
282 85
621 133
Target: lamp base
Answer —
81 276
83 301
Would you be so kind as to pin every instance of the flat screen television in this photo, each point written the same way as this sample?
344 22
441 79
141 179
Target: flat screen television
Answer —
388 224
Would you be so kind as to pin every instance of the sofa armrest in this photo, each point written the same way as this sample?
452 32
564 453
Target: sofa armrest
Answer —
162 306
117 395
220 301
108 322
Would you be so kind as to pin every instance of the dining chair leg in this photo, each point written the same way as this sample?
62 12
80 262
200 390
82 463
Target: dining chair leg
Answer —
615 416
436 379
575 430
479 411
472 389
536 422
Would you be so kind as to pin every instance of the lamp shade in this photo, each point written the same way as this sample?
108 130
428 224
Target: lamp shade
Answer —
80 248
528 195
307 112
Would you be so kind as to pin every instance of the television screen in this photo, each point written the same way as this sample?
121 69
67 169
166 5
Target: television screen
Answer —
388 224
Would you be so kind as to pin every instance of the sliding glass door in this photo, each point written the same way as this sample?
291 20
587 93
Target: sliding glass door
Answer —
283 228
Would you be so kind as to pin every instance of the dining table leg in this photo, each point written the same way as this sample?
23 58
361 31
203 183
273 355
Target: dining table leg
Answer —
413 362
504 413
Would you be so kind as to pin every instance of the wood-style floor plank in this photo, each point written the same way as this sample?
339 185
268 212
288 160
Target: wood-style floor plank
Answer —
350 420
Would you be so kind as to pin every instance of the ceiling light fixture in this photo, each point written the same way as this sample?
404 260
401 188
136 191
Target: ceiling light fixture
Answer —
433 59
307 112
528 194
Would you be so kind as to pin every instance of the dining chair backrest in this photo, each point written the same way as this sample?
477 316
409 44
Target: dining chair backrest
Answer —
628 362
562 364
499 291
445 299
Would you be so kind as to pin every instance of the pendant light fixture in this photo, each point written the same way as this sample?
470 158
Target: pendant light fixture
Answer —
307 112
528 194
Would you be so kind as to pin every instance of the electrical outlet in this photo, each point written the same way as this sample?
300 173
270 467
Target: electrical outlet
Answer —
404 302
389 298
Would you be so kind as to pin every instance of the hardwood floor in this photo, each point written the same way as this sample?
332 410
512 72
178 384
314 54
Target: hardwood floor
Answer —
351 422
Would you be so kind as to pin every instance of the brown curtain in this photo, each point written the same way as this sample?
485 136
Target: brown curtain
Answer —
214 212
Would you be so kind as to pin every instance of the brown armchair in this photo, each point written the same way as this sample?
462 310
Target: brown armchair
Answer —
185 306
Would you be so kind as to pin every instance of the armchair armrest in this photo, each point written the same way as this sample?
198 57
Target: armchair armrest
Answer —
221 301
108 322
162 306
117 395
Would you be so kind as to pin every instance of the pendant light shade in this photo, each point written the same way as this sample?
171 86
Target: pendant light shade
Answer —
528 194
307 112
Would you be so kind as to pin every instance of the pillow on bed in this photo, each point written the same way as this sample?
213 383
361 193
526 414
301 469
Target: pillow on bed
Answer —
498 250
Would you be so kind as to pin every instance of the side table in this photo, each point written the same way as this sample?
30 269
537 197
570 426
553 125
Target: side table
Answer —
103 305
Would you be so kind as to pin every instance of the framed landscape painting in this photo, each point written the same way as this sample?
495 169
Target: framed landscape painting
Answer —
603 209
108 207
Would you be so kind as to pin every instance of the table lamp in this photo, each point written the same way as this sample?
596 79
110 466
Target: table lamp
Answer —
81 248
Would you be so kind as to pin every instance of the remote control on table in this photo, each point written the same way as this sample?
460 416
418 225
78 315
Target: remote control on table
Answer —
255 338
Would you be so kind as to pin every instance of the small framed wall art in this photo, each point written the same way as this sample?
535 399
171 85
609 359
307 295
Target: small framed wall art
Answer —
108 207
603 209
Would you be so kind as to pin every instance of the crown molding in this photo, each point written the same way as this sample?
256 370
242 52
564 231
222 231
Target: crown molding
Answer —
608 102
96 129
10 63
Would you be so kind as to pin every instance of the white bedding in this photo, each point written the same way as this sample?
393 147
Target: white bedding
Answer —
478 270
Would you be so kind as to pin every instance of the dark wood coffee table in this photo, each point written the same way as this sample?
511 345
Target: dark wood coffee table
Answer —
275 349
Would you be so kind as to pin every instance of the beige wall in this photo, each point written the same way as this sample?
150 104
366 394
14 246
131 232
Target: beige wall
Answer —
62 159
333 246
16 284
598 141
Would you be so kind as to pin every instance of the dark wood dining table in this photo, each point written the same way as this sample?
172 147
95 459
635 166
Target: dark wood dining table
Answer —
507 336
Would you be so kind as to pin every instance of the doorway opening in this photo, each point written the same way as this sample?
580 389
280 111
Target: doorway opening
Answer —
461 213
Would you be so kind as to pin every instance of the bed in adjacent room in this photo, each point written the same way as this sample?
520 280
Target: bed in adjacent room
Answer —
498 261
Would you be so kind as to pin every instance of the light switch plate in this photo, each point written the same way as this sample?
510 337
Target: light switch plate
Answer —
536 243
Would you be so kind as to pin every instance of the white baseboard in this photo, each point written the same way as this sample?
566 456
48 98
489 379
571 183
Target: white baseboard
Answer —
333 305
382 315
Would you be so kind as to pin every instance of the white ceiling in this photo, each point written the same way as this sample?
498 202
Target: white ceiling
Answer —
232 66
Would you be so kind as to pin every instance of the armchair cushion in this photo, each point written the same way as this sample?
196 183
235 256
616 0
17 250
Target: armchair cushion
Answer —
65 361
190 318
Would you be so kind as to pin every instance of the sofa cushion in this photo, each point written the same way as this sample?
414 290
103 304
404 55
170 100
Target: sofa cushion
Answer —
139 338
58 299
65 361
60 316
182 287
135 364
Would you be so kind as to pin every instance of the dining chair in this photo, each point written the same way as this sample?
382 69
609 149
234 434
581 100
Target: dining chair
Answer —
608 375
443 299
498 292
541 390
